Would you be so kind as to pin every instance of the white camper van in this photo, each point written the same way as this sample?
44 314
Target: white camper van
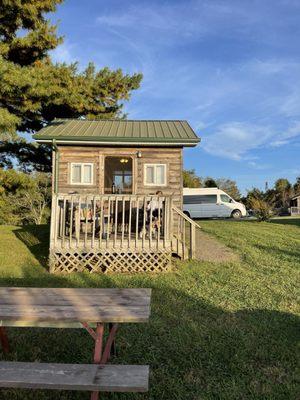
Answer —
211 203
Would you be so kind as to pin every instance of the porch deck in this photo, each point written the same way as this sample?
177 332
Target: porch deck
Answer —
295 210
117 233
109 232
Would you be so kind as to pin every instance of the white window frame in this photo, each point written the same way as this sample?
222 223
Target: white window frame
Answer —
155 165
82 183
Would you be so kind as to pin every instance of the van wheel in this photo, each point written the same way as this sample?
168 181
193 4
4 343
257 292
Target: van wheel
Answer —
187 214
236 214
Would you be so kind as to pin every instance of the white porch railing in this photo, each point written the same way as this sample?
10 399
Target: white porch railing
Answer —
110 221
183 234
295 210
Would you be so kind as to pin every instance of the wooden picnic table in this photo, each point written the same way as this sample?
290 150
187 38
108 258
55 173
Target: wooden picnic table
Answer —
90 309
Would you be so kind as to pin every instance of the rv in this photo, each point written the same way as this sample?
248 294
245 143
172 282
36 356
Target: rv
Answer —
211 203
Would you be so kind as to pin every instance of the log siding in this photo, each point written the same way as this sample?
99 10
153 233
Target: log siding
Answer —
172 157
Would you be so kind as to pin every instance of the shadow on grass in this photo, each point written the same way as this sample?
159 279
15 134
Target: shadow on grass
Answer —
36 238
292 255
286 221
195 350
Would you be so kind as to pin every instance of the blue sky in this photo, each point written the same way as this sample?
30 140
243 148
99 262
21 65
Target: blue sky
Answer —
231 68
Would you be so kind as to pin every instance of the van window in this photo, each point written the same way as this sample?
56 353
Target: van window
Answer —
225 198
200 199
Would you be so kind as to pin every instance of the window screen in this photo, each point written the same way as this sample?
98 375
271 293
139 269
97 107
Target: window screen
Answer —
87 173
155 174
76 173
82 174
150 174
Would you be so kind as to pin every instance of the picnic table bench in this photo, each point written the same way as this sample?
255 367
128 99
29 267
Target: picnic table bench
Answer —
91 309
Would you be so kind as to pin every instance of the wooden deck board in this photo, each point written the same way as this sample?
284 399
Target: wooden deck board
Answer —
132 244
88 377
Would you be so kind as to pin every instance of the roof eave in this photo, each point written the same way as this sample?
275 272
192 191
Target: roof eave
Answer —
183 143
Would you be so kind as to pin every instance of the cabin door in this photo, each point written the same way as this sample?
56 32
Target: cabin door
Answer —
118 175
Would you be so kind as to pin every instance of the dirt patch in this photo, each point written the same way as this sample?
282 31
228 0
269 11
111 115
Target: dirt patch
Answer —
210 249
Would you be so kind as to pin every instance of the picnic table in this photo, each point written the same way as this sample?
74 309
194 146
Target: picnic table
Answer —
91 309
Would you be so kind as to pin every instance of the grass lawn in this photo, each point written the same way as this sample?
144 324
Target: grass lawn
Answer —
217 331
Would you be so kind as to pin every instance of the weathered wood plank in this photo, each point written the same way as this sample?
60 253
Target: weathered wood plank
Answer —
78 291
73 305
88 377
68 313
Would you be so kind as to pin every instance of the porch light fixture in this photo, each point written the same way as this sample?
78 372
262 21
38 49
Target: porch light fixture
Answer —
139 154
124 160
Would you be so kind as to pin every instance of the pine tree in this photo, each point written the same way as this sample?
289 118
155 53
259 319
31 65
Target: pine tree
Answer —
34 90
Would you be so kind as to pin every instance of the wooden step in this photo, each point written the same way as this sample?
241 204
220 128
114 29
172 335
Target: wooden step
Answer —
86 377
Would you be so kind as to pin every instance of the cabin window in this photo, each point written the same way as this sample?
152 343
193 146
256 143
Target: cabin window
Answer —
155 174
82 173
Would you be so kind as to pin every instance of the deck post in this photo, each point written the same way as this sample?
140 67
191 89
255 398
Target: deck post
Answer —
192 241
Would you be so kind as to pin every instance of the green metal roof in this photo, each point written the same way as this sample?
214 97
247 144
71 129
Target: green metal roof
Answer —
118 132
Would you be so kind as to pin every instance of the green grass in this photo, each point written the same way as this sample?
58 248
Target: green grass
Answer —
217 331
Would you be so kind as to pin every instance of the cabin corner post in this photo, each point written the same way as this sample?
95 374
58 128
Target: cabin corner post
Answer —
53 232
55 167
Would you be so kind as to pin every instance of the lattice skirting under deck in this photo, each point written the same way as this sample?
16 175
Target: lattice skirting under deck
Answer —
112 261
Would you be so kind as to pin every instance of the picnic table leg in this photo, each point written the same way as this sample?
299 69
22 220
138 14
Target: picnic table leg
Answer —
98 343
4 340
101 356
110 343
98 352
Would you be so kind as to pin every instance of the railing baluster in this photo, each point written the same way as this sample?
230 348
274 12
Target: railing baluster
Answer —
183 236
61 218
78 221
159 204
150 222
86 220
116 221
129 221
108 223
94 221
137 223
56 224
101 222
165 220
71 222
144 223
63 223
192 241
123 220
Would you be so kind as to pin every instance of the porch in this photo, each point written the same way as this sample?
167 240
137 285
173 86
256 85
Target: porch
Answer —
295 210
117 233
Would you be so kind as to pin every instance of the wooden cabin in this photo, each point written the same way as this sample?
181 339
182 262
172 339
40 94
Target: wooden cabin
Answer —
295 205
117 194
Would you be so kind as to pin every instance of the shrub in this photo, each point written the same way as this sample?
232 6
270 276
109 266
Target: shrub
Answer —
24 198
261 209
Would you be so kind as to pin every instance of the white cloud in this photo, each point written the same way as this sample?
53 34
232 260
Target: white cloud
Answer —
233 140
258 166
63 53
288 135
290 106
196 19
